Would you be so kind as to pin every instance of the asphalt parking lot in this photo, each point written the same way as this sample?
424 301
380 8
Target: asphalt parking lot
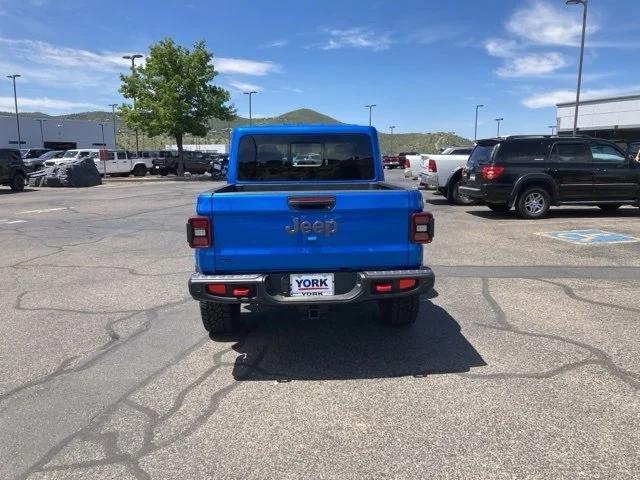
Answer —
524 363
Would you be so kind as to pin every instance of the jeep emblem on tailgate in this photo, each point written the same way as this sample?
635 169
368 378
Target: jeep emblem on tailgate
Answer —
327 228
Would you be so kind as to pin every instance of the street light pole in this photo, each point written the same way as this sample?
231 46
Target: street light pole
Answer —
391 128
133 71
498 120
15 100
475 131
584 29
113 118
41 121
370 107
104 145
250 95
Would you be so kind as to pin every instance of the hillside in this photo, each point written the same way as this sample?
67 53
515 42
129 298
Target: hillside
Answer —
219 131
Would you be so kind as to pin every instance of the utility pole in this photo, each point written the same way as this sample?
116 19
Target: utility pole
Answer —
370 107
553 128
391 128
15 100
104 145
584 29
133 71
475 131
498 120
113 118
250 95
41 121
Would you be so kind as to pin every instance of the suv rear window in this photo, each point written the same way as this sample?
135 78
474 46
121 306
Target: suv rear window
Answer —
481 154
305 157
522 151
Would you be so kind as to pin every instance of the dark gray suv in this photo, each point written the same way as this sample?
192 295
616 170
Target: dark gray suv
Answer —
12 169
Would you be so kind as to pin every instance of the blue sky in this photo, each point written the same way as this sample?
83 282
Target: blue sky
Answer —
425 63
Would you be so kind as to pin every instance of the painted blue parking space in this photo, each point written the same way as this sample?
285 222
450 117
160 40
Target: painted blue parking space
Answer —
590 237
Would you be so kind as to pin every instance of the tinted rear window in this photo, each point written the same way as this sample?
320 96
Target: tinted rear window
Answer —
522 151
570 153
305 157
481 154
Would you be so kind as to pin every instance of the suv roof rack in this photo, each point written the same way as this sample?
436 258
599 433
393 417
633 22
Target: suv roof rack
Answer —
510 137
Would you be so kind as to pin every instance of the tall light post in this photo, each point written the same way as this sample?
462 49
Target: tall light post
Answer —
392 127
475 130
370 107
133 71
498 120
102 127
250 95
553 129
41 121
15 100
113 119
584 29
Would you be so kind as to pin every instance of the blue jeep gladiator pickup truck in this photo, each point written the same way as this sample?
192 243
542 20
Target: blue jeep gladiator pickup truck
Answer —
307 220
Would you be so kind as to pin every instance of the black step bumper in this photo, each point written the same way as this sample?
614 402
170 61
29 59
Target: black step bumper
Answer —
359 287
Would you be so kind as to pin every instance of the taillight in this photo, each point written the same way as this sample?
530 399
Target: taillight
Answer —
422 227
199 232
491 172
432 167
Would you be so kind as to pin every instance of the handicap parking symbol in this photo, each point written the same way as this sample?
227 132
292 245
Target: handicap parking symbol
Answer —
590 237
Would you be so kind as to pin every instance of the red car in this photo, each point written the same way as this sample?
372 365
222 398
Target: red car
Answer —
392 161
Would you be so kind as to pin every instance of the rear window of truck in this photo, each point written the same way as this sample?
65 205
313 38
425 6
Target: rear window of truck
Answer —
305 157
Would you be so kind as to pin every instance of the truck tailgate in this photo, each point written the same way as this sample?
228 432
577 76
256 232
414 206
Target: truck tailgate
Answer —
270 232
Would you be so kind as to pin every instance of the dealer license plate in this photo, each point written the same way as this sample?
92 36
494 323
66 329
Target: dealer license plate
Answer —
472 177
312 285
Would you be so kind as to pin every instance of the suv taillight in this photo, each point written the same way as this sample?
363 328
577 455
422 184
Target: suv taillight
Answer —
422 227
432 167
199 232
491 172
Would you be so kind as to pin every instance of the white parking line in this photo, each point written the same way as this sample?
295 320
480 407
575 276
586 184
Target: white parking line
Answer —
43 211
5 221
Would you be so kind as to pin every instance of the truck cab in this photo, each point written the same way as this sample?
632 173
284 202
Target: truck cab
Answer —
322 231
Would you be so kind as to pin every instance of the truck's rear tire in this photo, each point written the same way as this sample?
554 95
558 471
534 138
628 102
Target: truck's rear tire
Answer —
456 197
139 171
17 182
220 317
400 311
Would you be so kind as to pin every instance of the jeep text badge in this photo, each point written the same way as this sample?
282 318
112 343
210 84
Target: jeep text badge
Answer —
328 227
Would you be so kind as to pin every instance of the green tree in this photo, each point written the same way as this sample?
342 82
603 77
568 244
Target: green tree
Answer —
173 94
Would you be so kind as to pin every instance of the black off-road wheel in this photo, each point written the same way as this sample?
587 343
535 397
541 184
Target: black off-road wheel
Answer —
17 182
533 203
220 318
456 197
400 311
139 171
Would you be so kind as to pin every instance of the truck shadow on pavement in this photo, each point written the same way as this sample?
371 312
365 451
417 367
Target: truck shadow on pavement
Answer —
351 342
564 213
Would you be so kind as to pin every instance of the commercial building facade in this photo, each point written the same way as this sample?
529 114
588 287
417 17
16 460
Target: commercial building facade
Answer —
613 118
55 133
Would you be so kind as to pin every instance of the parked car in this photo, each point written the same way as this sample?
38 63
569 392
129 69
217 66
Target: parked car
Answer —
391 162
69 156
33 152
12 169
412 165
444 172
286 236
533 173
118 161
35 164
194 162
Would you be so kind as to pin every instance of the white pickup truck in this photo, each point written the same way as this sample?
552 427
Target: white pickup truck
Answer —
118 161
443 172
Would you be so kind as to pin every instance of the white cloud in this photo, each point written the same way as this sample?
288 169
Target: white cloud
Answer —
547 24
532 65
550 99
245 87
244 67
275 44
500 47
45 104
355 38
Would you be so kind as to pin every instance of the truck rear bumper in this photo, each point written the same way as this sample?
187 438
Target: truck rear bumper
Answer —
262 289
